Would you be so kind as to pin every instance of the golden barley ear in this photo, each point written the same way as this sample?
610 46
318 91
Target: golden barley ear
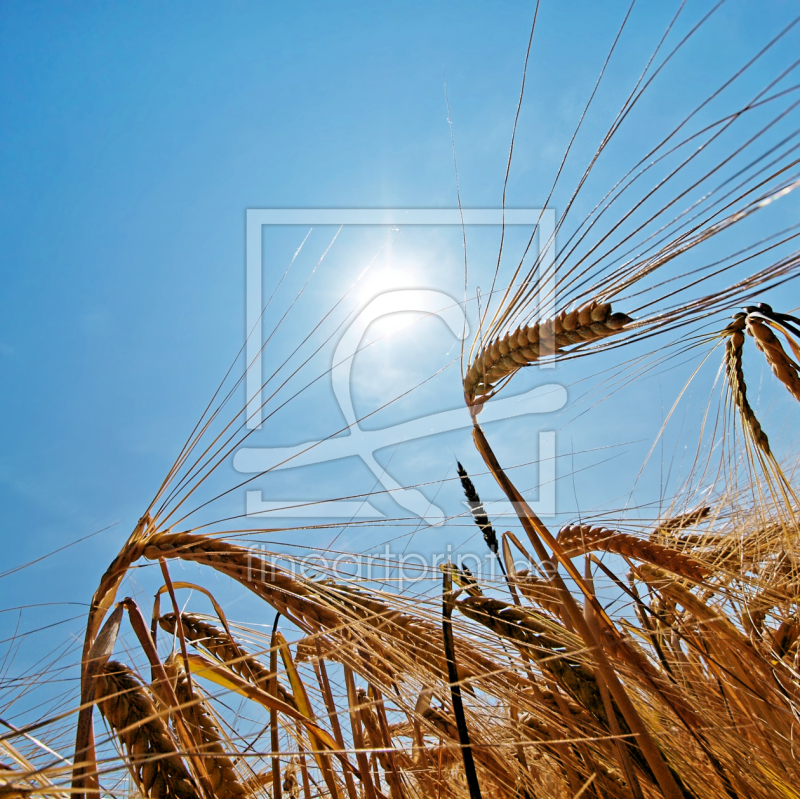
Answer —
218 643
579 539
539 591
479 512
506 355
542 640
785 637
293 598
670 529
151 752
738 386
222 774
784 368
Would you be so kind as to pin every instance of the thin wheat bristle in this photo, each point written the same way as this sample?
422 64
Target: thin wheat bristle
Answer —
151 753
581 538
526 345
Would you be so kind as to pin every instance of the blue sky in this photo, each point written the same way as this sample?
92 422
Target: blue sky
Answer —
135 136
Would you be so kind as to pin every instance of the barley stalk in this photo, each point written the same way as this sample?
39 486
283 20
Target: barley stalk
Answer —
448 603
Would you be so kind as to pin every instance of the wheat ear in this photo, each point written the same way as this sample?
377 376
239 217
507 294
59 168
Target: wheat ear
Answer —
478 511
219 644
291 597
152 756
676 524
785 369
525 345
538 637
735 375
221 772
579 539
539 591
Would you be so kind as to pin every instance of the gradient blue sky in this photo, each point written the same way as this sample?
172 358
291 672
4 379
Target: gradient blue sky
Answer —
134 136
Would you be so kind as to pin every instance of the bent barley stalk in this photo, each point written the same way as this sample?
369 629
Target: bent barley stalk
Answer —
448 604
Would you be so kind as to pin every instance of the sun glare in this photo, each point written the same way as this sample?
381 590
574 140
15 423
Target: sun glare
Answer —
382 280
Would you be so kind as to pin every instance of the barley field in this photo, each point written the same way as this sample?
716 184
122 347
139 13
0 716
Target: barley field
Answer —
638 637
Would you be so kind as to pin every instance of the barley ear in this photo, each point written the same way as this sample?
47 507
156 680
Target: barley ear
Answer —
479 512
504 356
784 368
151 753
581 538
736 381
222 774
